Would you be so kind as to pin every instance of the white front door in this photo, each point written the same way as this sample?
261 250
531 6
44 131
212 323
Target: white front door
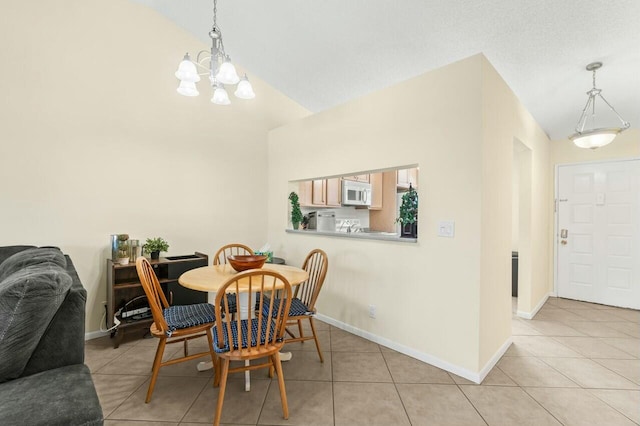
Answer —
598 233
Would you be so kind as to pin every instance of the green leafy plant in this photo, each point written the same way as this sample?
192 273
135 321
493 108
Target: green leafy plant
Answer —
296 213
409 207
155 244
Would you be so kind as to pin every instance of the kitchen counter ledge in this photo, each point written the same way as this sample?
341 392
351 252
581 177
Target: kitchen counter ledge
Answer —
354 235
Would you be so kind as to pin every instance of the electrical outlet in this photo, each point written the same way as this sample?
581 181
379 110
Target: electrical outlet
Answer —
372 311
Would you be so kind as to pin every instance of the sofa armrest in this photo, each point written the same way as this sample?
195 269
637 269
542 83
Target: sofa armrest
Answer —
63 341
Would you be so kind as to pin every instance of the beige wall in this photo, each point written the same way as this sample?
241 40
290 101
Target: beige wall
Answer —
443 300
95 140
506 124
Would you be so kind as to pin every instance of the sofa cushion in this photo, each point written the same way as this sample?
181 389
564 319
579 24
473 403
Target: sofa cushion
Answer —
29 298
62 396
63 342
6 251
29 257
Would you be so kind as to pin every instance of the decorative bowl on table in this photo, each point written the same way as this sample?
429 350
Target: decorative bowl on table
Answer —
243 262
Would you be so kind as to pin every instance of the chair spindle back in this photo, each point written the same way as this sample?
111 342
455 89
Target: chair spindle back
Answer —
316 264
153 290
220 258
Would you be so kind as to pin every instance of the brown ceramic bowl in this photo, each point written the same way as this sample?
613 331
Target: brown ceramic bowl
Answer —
243 262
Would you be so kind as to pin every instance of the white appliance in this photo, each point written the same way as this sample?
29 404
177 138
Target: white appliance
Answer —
322 221
356 193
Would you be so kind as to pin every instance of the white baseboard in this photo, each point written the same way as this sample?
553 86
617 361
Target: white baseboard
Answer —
494 359
530 315
429 359
95 334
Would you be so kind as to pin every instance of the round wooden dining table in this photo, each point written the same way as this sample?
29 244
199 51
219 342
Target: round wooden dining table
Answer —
211 278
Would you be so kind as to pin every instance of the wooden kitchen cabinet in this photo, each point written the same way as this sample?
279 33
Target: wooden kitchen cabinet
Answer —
305 192
321 193
358 178
375 179
384 219
406 177
333 188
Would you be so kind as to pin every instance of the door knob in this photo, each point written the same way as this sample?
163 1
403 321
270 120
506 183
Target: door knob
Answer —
563 242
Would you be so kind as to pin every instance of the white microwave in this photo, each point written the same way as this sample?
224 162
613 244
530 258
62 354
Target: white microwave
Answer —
356 193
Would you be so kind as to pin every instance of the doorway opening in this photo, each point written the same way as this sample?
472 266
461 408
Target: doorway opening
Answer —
521 229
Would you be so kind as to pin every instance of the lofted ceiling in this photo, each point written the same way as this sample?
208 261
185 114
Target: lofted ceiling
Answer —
324 53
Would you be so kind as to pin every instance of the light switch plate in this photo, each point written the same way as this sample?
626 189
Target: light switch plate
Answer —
446 228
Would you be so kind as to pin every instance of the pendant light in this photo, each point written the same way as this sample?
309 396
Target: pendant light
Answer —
595 137
217 65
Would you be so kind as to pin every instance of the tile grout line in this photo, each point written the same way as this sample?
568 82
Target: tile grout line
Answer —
395 386
470 402
538 402
195 399
333 391
605 402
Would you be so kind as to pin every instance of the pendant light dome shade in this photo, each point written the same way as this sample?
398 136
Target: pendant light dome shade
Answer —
244 89
594 138
220 96
227 73
188 88
187 70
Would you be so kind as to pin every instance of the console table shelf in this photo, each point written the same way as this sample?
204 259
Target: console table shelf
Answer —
125 292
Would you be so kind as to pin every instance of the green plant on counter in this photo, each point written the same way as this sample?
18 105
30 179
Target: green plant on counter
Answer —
296 213
409 207
155 244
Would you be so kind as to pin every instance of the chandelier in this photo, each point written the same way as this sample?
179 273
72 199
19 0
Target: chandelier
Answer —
217 65
595 137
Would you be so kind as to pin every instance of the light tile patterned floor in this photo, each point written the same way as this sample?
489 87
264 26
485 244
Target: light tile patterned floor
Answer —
574 364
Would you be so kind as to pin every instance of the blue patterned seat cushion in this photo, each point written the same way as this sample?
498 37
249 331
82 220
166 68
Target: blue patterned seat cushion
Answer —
233 305
297 307
186 316
224 347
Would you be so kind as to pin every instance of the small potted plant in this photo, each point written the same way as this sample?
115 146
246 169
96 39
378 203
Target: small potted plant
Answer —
408 218
296 213
155 246
305 222
123 249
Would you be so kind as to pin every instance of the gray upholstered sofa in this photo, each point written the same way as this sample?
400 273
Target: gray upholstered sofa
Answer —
43 378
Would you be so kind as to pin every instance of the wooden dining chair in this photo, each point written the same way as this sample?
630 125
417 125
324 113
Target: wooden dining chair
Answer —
305 296
220 258
173 324
258 335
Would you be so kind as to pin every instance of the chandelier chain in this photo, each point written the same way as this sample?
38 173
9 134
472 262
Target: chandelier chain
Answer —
215 13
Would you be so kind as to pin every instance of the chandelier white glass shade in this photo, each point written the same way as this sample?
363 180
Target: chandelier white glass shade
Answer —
217 65
595 137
